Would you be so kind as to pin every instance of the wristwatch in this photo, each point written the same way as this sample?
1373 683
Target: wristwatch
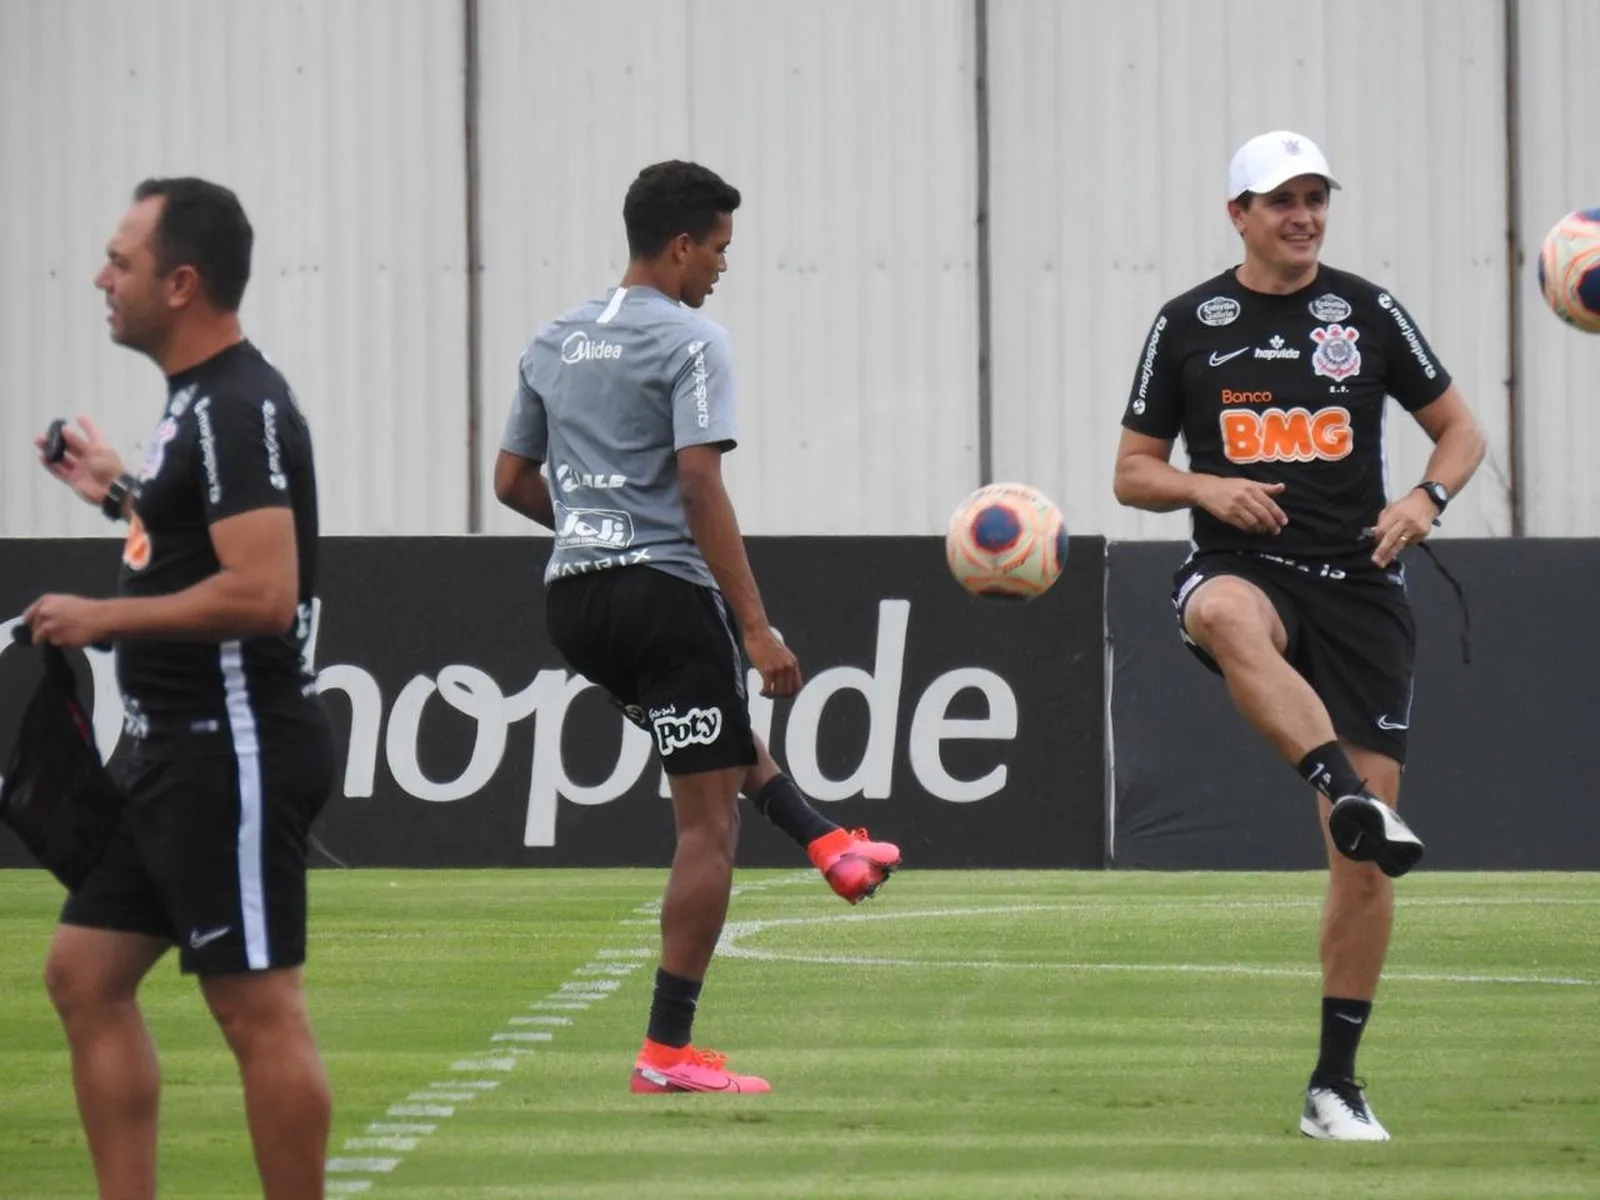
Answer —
117 493
1437 492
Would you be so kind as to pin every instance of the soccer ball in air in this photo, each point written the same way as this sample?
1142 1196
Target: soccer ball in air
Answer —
1006 541
1569 269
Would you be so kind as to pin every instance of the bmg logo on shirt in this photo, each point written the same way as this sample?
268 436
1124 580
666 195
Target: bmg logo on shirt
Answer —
1295 435
698 726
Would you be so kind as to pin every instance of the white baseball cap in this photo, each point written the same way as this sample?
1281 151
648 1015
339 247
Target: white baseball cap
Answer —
1270 160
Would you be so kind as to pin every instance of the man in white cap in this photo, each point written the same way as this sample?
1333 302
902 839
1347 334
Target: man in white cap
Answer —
1275 373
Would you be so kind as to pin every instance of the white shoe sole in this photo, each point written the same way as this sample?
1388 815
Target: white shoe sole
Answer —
1312 1130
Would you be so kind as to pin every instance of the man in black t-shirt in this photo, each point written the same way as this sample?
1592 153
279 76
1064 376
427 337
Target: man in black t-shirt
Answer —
231 756
1275 374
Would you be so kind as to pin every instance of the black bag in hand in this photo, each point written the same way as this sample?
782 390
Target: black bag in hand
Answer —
57 794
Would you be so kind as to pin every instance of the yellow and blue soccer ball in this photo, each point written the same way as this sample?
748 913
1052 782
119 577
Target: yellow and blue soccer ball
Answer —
1006 541
1569 269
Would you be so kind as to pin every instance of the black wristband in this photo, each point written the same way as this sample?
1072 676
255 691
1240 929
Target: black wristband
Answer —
117 493
1437 492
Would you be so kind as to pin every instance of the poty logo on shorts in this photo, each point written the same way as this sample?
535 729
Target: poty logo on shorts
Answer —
698 726
577 348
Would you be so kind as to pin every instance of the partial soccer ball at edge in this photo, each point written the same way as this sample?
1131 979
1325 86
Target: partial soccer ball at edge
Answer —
1006 541
1569 269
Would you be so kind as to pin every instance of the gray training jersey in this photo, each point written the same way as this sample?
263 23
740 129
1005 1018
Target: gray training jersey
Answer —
606 396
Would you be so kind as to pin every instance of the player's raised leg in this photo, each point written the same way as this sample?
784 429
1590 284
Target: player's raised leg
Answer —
854 865
1234 622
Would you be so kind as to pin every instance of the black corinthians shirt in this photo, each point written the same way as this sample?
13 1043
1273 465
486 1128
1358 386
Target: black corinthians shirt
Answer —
1286 389
231 440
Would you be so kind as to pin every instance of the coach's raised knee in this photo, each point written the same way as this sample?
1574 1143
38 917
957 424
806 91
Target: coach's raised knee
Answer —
1227 617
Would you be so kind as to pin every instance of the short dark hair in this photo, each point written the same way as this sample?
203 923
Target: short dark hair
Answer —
202 226
669 198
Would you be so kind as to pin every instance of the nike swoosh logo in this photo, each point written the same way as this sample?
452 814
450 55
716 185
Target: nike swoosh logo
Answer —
1218 359
1348 1017
1385 723
198 940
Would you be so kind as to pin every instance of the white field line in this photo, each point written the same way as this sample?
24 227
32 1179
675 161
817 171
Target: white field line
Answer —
590 983
735 933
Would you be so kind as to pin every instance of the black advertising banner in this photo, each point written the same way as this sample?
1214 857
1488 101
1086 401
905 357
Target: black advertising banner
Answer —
971 732
1502 756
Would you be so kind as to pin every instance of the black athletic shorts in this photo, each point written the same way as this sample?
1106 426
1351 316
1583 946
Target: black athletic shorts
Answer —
211 850
1351 635
669 654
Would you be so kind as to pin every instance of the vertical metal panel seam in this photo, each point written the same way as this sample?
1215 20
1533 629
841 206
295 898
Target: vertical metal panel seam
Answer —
694 152
1109 652
985 282
474 271
1513 131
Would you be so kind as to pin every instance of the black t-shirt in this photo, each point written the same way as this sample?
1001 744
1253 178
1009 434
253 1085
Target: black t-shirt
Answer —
232 440
1286 389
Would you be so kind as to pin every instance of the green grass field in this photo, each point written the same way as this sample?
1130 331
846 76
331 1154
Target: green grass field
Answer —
967 1034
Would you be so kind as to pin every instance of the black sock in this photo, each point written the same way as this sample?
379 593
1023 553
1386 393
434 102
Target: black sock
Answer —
1342 1023
786 806
672 1009
1328 770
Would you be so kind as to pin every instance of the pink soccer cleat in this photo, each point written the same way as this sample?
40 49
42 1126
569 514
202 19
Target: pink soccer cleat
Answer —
854 865
660 1069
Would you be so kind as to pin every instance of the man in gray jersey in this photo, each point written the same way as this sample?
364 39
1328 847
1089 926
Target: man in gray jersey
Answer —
627 403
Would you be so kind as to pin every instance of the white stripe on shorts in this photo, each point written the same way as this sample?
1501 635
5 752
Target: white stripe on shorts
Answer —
247 756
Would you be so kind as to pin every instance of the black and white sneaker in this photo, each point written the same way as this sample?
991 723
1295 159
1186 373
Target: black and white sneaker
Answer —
1338 1112
1368 830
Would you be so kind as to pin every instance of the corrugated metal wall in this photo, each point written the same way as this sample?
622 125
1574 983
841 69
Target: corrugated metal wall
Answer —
852 131
1560 172
1112 130
851 294
340 125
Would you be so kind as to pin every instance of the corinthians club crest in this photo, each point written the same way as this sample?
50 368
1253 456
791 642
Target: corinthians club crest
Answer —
1336 355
